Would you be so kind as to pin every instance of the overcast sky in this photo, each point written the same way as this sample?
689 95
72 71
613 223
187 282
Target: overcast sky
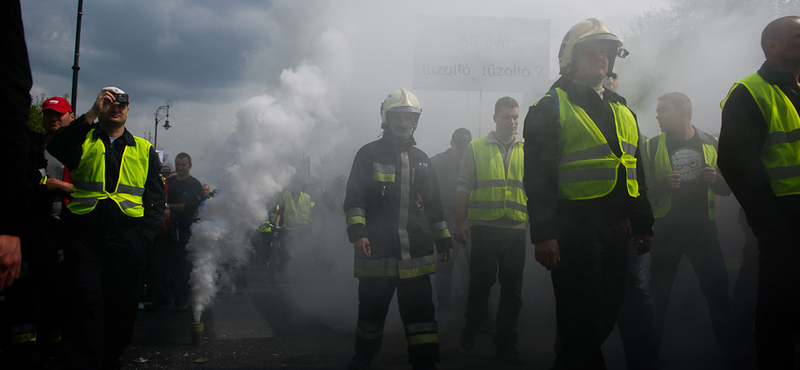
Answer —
210 57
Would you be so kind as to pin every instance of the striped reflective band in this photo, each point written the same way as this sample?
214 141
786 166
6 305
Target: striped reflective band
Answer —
779 137
440 230
20 334
418 339
628 148
589 174
417 266
631 172
586 154
132 190
87 201
383 172
356 215
369 335
88 185
783 172
125 204
402 221
493 205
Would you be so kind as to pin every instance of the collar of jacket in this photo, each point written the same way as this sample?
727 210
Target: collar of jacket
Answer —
776 76
407 144
581 94
491 139
125 135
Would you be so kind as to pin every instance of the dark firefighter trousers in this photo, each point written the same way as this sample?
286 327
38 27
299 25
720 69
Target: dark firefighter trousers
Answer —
415 300
105 277
589 286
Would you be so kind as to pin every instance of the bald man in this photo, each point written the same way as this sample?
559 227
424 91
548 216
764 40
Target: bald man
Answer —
759 155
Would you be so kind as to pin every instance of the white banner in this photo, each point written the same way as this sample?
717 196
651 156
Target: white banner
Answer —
481 54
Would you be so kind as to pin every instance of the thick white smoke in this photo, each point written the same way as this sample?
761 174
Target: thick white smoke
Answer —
271 132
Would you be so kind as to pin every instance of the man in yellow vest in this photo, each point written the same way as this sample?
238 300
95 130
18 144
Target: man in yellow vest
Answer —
490 189
684 182
118 203
759 154
394 220
586 192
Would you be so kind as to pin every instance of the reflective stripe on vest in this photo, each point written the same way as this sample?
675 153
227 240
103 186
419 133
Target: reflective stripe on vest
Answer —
495 193
663 166
90 176
392 267
298 214
781 155
587 166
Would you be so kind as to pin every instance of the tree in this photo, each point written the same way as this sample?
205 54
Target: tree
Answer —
698 47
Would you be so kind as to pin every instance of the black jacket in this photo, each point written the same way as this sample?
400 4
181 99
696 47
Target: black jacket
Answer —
383 204
743 135
107 219
549 214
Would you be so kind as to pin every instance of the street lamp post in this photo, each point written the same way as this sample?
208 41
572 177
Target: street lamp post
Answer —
161 113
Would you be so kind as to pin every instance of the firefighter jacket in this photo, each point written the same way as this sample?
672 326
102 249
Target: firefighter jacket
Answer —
392 198
658 155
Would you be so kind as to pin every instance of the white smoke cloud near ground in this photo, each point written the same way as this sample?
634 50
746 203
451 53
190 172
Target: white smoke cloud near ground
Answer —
271 132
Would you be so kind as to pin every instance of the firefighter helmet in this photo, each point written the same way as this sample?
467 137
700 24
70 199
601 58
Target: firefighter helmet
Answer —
588 30
400 100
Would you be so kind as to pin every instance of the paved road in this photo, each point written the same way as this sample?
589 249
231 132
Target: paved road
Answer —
307 322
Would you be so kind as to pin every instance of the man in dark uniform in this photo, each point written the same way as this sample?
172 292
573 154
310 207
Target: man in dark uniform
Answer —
447 164
394 218
586 192
759 155
118 203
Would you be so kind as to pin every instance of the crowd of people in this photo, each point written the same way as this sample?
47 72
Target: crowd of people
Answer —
595 196
105 230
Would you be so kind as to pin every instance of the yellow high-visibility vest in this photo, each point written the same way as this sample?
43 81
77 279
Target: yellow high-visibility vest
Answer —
587 167
495 193
663 166
89 178
781 155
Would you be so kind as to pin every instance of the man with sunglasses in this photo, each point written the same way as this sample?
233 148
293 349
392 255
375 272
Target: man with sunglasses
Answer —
117 206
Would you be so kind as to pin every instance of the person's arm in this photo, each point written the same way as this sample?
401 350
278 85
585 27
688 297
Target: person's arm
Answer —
467 182
192 198
541 179
714 178
57 186
641 217
435 215
742 136
15 102
153 198
541 168
355 204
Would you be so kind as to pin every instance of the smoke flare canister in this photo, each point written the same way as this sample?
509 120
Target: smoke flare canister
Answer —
197 333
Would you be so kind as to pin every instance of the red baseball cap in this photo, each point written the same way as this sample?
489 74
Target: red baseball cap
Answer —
57 104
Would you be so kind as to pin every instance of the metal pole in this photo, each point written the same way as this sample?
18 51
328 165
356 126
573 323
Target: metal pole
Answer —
75 67
155 133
